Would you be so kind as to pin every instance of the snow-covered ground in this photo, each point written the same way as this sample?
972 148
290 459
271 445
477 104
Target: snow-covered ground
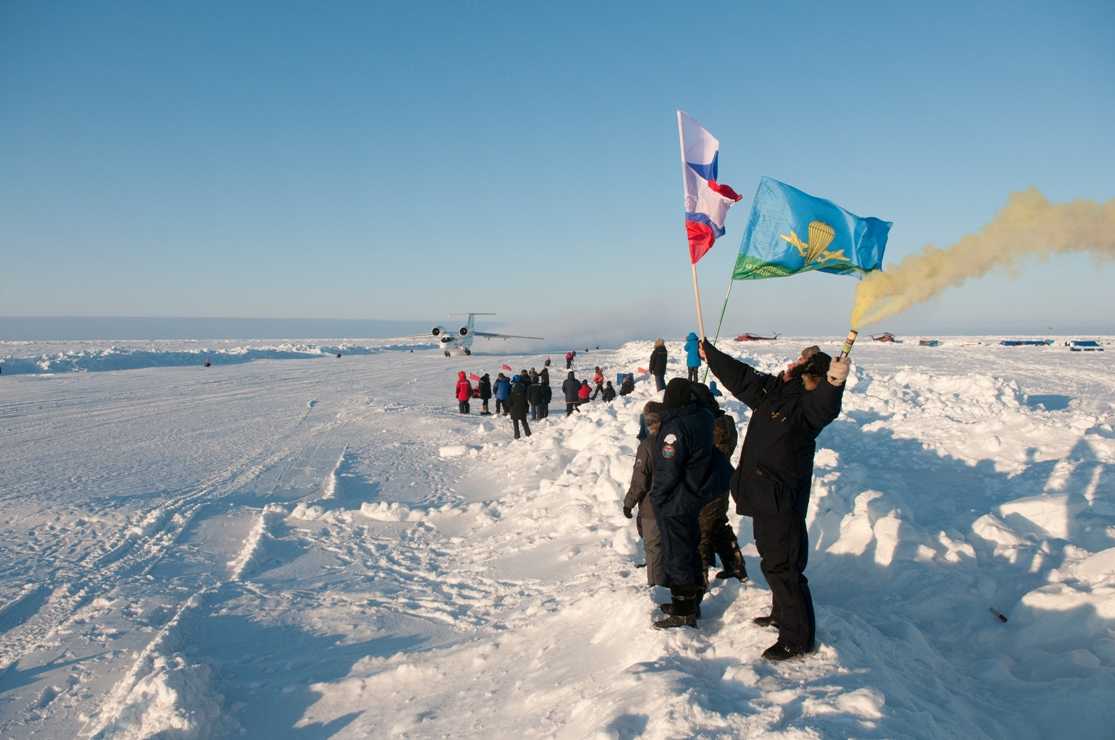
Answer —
324 547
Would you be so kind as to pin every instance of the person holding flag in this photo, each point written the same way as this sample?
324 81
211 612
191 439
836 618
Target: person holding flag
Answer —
788 232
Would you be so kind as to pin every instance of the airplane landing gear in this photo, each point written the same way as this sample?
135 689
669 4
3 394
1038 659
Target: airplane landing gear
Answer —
447 353
468 351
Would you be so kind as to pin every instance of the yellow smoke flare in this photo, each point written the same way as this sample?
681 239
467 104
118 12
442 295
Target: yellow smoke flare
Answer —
1028 225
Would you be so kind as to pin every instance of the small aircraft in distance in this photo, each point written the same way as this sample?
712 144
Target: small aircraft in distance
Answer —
461 339
886 337
749 337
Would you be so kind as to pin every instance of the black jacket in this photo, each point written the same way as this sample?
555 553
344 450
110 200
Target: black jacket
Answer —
627 386
536 394
570 388
776 464
518 398
686 473
658 361
545 375
485 386
609 393
641 476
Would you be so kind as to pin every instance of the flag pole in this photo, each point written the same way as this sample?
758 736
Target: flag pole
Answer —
692 264
720 323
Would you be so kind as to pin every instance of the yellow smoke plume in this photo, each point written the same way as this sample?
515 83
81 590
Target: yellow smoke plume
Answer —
1028 225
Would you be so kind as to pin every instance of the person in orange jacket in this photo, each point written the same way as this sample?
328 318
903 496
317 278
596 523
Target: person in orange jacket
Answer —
583 392
597 382
464 392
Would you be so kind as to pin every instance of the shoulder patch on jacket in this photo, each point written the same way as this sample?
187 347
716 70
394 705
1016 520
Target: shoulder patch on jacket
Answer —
670 438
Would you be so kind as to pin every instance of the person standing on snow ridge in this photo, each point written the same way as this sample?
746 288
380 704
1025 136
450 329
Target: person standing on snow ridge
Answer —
464 392
687 476
519 401
597 381
485 387
657 366
502 392
775 472
692 355
570 388
569 359
641 477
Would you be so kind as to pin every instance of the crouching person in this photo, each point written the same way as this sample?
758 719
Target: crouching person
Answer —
687 476
641 478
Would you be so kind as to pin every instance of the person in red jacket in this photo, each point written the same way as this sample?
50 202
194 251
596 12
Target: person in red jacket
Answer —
583 392
598 382
464 392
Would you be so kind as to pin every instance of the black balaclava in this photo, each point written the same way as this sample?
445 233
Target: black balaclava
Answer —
677 394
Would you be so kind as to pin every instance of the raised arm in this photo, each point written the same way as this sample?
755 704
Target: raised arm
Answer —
740 379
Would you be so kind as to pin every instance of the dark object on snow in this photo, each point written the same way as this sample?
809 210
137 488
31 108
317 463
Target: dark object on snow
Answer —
338 354
929 342
773 478
609 392
1084 345
886 337
208 363
998 614
1026 342
767 621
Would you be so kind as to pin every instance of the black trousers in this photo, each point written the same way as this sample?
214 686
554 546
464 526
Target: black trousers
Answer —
693 374
462 406
718 539
599 389
526 427
783 544
484 406
501 406
570 407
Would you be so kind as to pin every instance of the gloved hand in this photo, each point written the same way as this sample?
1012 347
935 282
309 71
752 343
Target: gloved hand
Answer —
838 371
627 511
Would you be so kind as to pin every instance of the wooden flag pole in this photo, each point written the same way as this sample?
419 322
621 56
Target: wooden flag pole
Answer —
697 298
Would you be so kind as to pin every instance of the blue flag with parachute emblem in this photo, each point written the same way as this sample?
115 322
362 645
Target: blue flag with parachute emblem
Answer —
790 231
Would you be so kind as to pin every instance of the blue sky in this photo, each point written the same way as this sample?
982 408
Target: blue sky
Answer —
406 160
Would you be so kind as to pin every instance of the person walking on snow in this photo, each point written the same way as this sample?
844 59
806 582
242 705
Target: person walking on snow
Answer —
570 388
569 357
692 355
597 382
775 472
485 387
519 402
657 366
502 392
641 477
464 392
687 476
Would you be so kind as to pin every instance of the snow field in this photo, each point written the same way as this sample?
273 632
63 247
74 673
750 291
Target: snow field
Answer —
327 549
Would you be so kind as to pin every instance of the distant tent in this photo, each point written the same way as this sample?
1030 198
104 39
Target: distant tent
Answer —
1085 345
1026 342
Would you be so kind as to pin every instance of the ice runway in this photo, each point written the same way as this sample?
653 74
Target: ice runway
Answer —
320 547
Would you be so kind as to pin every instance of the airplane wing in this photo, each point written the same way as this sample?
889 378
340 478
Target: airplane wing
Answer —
490 335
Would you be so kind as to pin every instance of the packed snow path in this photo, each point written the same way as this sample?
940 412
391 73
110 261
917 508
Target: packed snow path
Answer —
317 548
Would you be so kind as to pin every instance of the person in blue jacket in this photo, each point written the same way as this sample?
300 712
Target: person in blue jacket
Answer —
692 356
689 472
502 391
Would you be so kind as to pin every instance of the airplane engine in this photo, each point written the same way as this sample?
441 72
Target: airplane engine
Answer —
436 330
464 331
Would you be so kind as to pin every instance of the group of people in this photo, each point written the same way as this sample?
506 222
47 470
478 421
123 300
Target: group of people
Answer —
529 392
683 478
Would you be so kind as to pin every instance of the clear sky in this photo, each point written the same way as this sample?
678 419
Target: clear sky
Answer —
406 160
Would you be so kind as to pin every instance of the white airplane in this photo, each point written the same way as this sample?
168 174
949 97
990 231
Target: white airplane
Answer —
461 340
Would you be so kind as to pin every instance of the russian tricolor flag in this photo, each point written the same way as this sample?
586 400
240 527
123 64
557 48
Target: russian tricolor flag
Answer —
706 200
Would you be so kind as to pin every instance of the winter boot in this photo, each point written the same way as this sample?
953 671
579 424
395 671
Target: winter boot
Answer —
676 620
779 651
767 621
668 608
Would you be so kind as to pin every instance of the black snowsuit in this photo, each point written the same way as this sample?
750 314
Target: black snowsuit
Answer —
485 386
518 403
627 386
641 477
657 366
570 388
772 481
686 478
535 396
609 393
